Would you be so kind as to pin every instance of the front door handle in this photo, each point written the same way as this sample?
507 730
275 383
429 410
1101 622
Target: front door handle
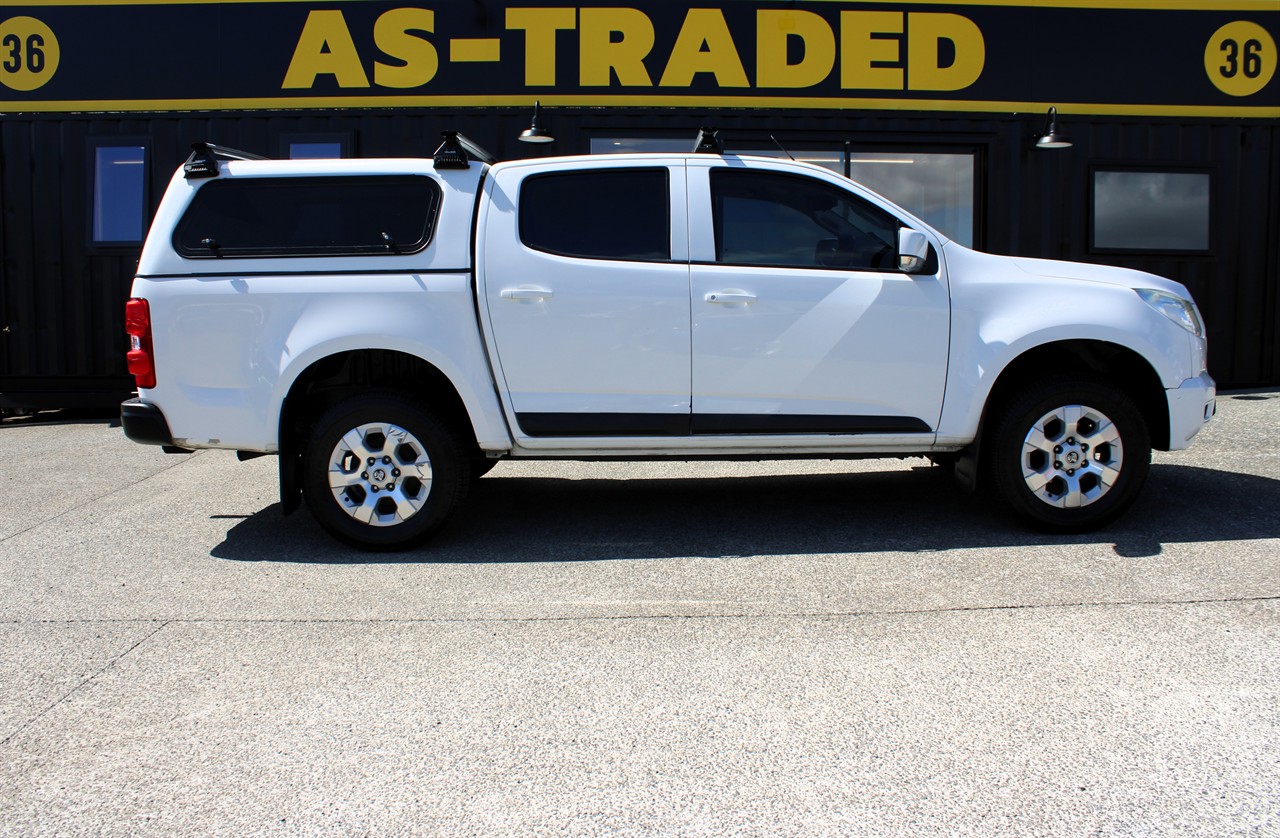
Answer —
526 292
731 295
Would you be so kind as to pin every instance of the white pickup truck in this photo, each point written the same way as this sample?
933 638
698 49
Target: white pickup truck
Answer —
392 328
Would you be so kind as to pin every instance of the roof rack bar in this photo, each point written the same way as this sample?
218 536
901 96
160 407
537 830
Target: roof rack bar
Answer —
224 153
708 142
204 158
456 151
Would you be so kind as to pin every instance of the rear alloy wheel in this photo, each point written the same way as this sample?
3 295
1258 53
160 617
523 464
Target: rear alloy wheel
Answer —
1070 455
382 472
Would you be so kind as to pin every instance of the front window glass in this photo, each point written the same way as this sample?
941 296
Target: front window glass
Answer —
601 214
1156 211
787 221
119 194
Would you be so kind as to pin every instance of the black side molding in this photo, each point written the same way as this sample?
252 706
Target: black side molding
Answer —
772 423
145 423
604 424
711 424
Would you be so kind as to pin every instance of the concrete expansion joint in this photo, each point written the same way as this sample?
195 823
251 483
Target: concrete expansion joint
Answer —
94 500
760 615
892 612
162 622
85 681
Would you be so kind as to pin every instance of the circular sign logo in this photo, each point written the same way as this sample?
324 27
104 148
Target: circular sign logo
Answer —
1240 58
28 53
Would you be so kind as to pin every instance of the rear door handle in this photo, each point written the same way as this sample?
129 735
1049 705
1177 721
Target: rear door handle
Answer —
731 296
526 292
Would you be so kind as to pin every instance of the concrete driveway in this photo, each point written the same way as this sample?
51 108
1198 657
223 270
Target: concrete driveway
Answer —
812 648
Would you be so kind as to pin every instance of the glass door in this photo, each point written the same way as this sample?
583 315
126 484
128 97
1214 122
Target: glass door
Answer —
937 183
938 186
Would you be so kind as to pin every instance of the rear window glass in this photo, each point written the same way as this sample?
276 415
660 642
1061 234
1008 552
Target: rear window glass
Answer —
309 216
610 214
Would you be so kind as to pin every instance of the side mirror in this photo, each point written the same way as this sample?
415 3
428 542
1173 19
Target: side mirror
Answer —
913 250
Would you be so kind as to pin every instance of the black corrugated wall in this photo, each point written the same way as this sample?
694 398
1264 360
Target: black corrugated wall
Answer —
61 302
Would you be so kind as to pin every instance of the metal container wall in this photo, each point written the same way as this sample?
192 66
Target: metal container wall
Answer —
61 301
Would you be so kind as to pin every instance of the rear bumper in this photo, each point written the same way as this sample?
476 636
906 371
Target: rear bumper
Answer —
1191 406
144 423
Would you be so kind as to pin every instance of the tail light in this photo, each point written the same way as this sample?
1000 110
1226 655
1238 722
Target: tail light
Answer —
141 357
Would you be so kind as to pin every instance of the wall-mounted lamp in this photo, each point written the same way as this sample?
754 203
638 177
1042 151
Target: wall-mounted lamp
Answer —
535 133
1051 138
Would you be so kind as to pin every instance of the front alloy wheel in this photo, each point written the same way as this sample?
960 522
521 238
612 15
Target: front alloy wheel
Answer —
1072 456
1068 455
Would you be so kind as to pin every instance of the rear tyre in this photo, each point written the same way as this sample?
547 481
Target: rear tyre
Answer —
382 471
1069 454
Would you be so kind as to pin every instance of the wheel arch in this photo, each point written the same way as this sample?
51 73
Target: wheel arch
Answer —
1113 363
1117 365
329 379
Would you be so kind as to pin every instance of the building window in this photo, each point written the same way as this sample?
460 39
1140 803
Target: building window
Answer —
833 160
314 151
609 214
1158 212
936 186
631 145
119 194
315 146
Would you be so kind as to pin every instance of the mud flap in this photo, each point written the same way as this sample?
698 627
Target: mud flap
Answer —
290 471
966 469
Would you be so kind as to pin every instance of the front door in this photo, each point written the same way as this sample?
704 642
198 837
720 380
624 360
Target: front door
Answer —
802 322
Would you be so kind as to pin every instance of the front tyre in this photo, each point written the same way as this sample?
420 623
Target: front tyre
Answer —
383 472
1069 454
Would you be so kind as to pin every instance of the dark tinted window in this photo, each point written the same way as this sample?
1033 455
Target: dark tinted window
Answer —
789 221
309 216
1153 211
611 214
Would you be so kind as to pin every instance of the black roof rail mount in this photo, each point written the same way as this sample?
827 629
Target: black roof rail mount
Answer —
457 152
708 142
204 158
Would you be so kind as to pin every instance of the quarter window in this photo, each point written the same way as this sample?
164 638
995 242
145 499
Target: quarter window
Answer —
309 216
788 221
610 214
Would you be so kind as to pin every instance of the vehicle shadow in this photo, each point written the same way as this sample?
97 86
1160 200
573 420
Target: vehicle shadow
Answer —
527 519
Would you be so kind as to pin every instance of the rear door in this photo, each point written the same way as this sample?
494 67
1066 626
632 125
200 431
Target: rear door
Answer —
585 278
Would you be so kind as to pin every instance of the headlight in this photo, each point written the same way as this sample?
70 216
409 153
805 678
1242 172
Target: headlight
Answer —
1180 311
